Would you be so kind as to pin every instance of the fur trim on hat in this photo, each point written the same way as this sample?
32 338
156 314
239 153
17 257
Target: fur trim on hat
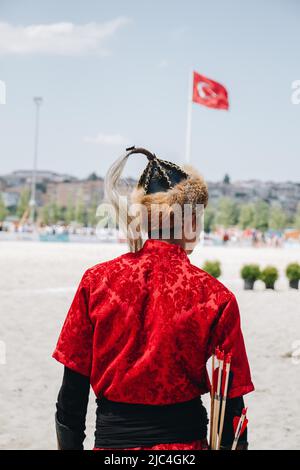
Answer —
192 190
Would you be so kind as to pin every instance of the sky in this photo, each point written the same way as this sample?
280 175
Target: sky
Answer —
114 74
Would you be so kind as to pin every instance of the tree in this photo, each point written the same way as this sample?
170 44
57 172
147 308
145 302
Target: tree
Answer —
3 210
246 217
91 213
261 215
44 214
227 212
209 219
226 179
93 177
297 217
70 211
54 212
51 213
23 203
80 212
277 218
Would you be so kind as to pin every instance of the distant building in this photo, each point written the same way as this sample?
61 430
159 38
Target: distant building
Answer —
20 177
10 199
87 191
287 194
65 193
64 189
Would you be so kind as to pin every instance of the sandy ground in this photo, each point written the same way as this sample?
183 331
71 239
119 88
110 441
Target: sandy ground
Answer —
37 284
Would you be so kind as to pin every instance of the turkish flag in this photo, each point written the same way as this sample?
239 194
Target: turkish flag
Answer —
209 93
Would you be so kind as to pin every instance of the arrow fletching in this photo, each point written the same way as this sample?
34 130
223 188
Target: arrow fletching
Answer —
239 426
244 426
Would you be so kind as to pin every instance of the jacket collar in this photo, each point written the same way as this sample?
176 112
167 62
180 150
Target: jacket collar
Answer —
159 246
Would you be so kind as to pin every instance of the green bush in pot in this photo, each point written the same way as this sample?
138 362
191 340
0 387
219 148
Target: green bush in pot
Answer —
293 274
250 273
213 268
269 276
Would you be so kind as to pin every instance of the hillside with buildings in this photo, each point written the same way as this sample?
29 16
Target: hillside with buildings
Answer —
62 188
65 199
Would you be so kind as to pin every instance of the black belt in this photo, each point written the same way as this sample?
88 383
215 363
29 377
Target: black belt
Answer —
121 425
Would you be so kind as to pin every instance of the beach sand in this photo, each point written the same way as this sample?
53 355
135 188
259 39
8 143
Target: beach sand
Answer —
37 284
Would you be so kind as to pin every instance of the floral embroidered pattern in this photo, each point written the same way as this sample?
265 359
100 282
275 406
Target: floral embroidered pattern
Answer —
193 445
143 325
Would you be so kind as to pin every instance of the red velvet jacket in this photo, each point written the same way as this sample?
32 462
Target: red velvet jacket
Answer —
143 325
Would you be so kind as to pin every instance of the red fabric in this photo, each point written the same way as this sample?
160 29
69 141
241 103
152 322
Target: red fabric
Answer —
209 93
192 445
143 325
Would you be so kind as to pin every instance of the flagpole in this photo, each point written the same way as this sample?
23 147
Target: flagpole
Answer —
189 119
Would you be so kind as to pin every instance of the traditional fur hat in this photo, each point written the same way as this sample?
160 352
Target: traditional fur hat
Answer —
165 183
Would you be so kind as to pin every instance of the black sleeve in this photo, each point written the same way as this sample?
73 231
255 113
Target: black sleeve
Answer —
71 408
234 407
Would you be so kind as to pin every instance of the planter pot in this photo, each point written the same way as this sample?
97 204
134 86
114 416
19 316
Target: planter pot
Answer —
294 283
270 286
248 284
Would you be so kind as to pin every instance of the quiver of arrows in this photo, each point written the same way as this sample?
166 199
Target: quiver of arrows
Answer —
219 388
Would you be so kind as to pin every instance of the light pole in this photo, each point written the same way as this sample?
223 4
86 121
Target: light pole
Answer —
38 101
